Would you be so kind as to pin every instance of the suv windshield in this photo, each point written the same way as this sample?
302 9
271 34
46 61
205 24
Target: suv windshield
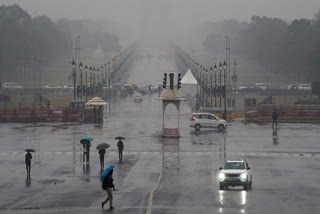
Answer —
234 165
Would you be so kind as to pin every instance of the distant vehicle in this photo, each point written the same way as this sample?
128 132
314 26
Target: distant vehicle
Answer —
262 86
304 87
52 86
11 85
292 86
245 87
68 87
235 173
137 98
207 120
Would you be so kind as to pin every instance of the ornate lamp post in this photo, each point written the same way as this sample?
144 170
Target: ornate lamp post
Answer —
94 81
211 71
225 89
81 84
220 69
74 78
90 87
215 85
86 87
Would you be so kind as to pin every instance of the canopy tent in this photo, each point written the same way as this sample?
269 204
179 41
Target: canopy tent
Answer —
96 101
189 85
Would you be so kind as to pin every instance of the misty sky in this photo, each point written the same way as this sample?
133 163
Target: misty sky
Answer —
178 10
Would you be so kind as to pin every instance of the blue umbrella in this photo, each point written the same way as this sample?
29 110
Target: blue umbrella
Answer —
106 171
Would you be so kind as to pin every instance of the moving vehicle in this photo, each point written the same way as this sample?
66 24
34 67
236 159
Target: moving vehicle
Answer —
11 85
137 98
207 120
235 173
304 87
68 87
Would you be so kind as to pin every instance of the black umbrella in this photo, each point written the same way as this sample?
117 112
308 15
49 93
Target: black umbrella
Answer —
102 146
30 150
85 141
119 138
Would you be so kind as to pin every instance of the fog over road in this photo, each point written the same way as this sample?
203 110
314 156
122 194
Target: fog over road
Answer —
158 175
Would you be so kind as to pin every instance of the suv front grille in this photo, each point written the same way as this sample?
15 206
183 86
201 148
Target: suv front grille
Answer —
232 175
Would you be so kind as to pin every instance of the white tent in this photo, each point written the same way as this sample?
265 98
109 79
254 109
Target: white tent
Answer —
189 85
98 54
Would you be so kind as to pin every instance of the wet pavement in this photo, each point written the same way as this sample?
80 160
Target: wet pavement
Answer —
158 175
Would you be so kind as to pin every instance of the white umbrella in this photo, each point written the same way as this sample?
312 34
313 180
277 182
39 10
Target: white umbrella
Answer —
96 102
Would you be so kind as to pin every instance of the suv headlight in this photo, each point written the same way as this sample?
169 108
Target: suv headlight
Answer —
222 176
243 176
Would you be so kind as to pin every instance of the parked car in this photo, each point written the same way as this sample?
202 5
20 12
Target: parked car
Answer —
52 86
207 120
68 87
262 86
137 98
235 173
11 85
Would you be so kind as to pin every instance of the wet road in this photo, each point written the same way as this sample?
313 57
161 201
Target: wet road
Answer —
158 175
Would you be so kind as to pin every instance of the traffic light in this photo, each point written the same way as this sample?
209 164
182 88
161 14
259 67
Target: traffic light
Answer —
171 76
164 85
179 81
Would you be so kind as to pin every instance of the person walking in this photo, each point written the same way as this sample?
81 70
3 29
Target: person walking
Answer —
120 149
88 145
275 116
84 152
102 152
108 185
28 162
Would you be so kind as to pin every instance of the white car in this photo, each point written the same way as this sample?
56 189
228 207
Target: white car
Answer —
207 120
52 86
304 87
68 87
262 86
235 173
11 85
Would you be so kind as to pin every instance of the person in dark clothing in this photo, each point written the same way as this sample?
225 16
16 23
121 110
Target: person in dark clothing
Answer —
84 152
88 145
101 154
275 116
108 183
120 149
28 162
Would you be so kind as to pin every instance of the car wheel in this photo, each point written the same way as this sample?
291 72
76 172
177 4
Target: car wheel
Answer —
197 127
221 186
220 127
245 186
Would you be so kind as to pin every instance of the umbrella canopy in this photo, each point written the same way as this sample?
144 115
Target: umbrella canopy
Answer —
30 150
106 171
84 141
89 138
96 102
119 138
102 146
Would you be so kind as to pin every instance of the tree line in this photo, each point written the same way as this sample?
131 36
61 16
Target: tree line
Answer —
23 37
289 48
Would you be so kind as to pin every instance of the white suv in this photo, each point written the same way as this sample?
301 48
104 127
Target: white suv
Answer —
235 173
207 120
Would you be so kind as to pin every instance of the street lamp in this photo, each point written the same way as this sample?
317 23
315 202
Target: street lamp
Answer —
74 78
203 86
90 71
201 91
86 88
211 71
220 69
225 90
81 87
94 81
215 85
98 82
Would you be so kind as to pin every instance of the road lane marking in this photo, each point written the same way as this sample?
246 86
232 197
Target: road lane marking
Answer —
150 201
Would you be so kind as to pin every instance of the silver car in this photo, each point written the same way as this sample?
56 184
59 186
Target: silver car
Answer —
207 120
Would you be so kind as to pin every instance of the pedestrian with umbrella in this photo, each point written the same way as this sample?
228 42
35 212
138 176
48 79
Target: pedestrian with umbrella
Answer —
107 185
102 151
120 146
28 158
86 148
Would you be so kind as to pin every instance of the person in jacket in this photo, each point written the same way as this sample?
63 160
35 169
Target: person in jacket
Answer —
84 152
120 149
275 116
88 145
102 152
108 183
28 162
